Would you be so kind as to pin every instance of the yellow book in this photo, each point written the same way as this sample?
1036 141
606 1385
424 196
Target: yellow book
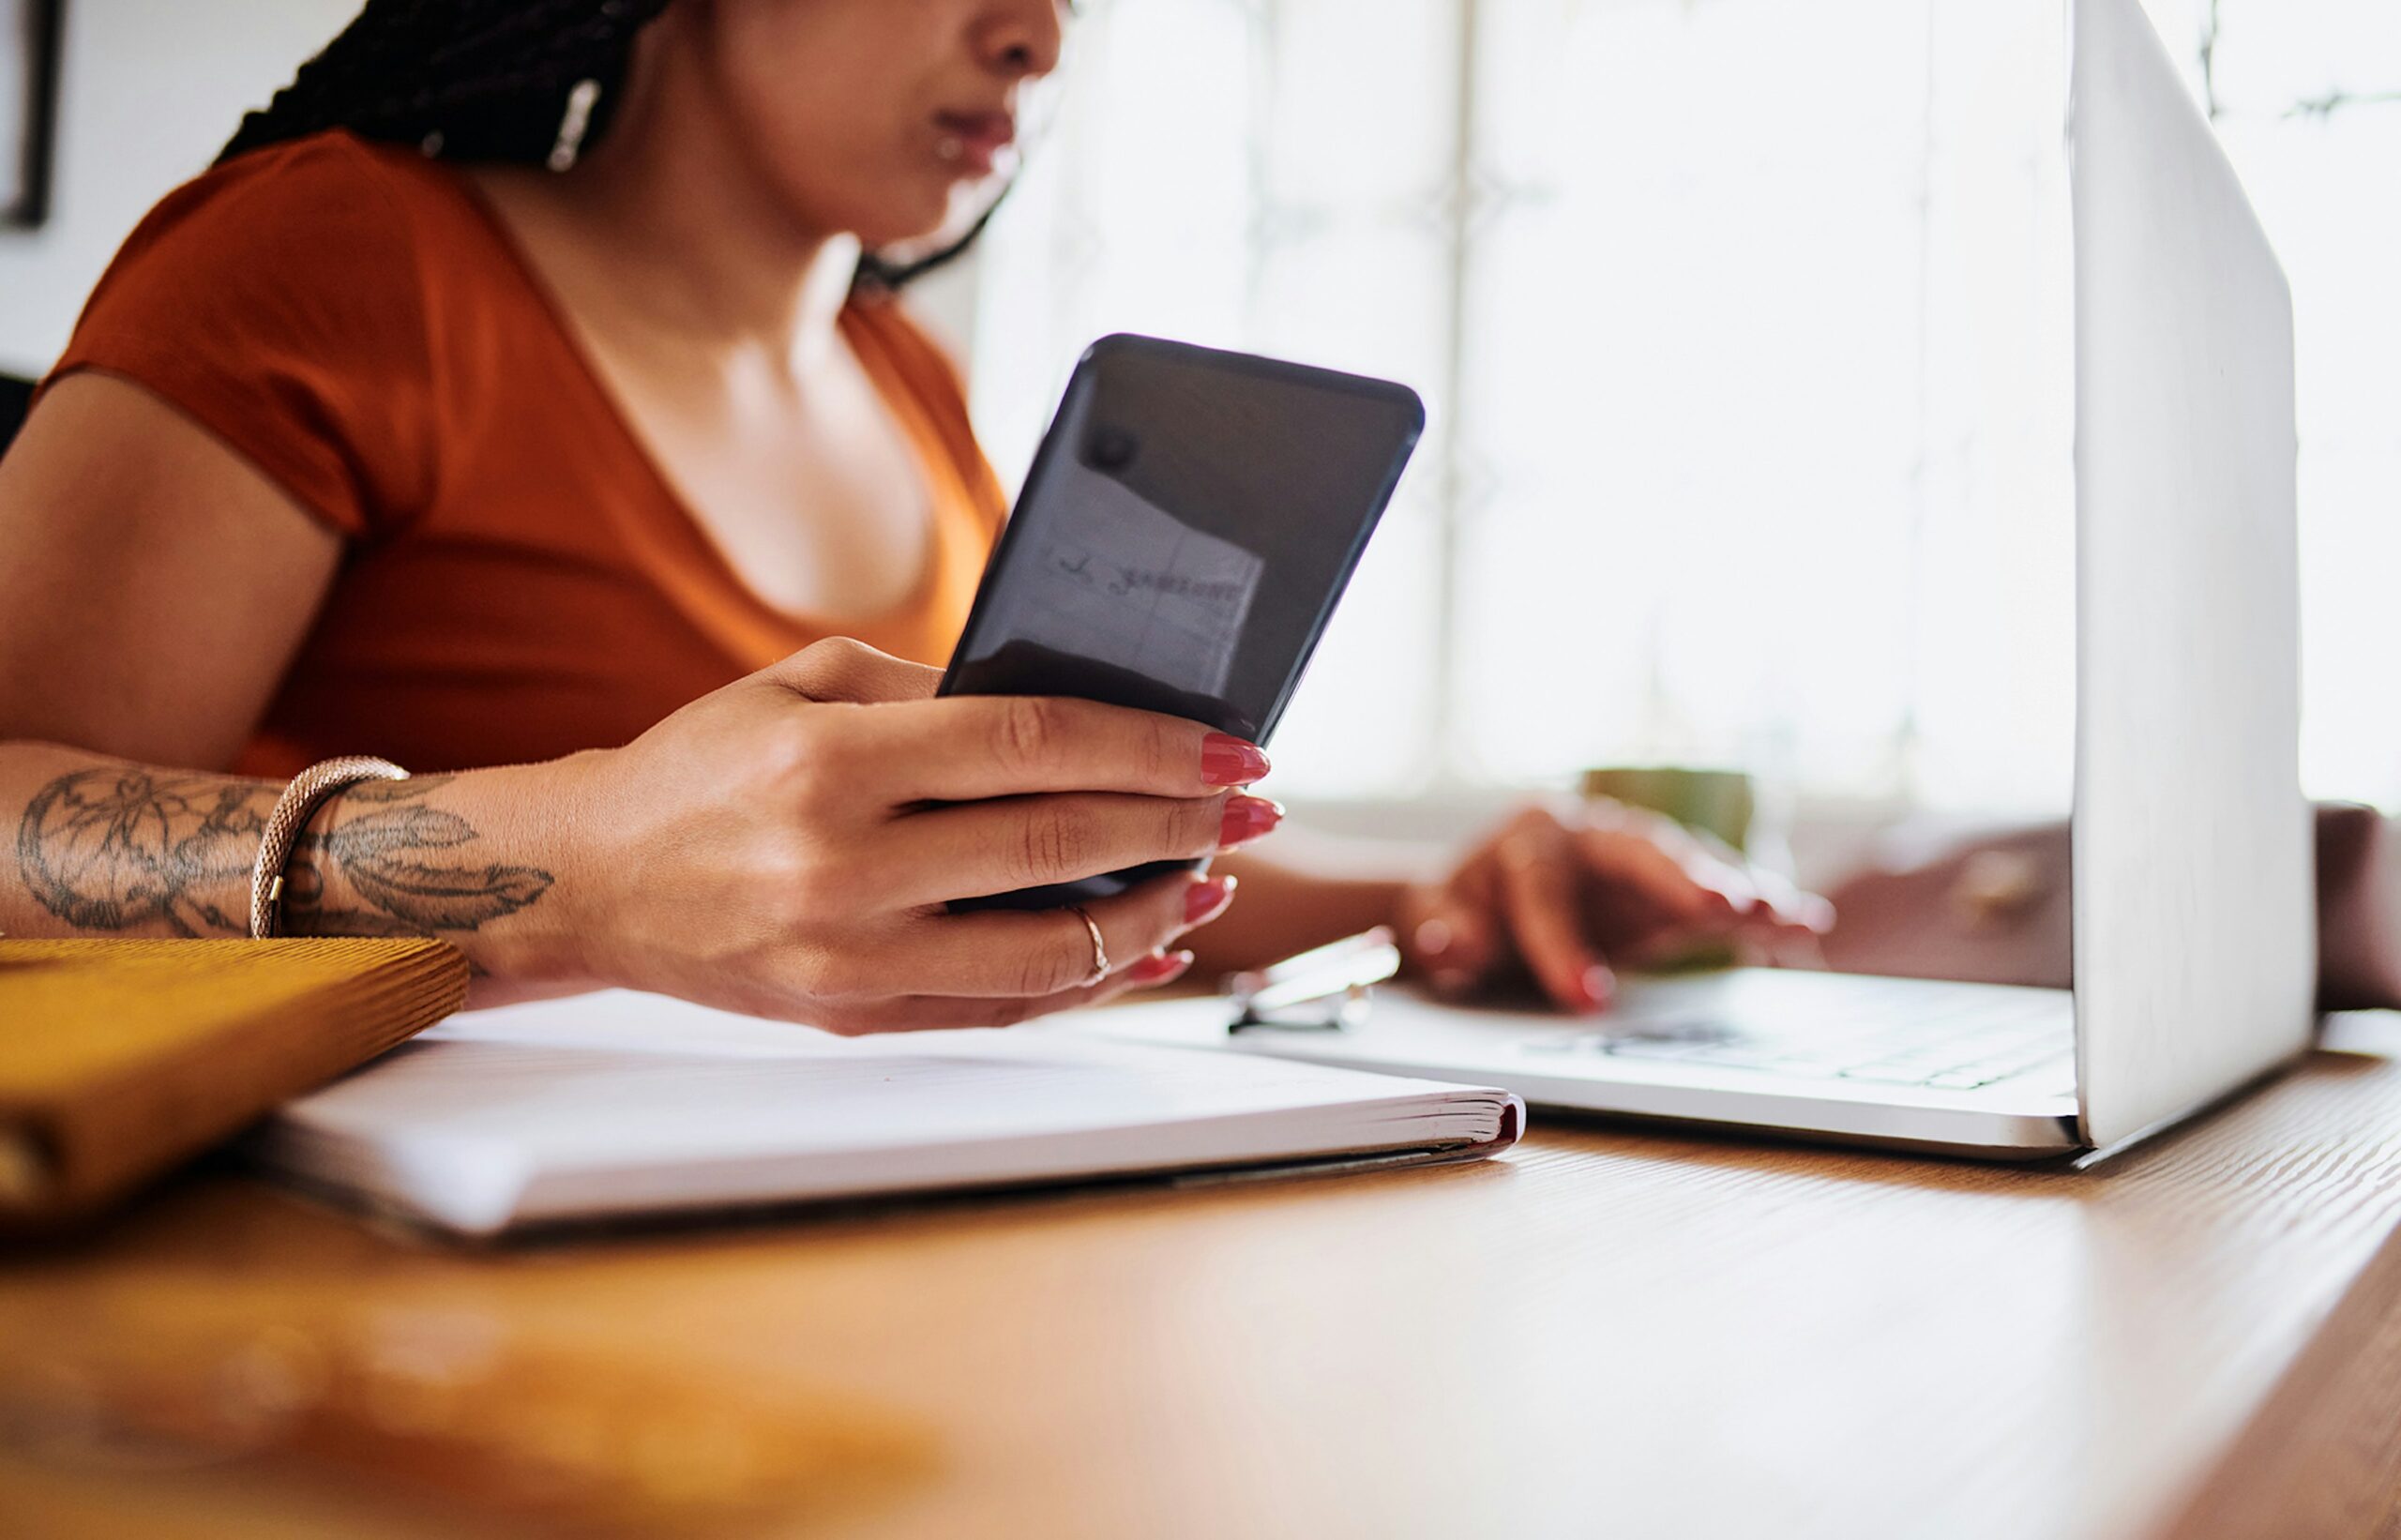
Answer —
120 1059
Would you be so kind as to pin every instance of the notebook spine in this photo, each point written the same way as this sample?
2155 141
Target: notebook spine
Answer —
62 1160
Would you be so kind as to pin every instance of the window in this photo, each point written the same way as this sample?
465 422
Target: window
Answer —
1742 325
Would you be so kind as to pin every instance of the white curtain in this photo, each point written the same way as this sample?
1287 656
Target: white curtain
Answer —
1744 329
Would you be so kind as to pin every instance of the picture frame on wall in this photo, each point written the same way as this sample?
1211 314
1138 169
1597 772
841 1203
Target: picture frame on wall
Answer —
29 47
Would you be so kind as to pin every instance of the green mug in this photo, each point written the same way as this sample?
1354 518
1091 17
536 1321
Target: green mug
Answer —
1719 803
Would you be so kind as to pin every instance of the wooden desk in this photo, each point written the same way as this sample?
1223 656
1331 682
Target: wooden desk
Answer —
1613 1332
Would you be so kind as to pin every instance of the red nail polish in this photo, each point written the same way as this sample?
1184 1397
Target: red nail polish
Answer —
1248 818
1227 761
1158 968
1202 900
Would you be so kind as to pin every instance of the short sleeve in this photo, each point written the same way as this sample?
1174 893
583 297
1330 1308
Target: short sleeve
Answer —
277 300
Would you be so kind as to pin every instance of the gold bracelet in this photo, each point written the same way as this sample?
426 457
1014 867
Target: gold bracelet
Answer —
307 790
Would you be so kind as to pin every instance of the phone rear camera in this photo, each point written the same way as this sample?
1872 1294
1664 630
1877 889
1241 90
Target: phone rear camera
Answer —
1112 450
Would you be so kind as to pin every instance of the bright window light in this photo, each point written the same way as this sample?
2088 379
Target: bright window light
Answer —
1742 325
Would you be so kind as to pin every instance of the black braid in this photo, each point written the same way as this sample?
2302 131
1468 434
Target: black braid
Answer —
482 81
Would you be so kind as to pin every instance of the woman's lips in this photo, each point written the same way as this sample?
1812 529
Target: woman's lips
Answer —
979 139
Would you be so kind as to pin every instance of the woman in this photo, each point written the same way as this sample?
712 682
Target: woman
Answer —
524 396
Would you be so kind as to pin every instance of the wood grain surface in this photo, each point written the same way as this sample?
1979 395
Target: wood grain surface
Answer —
1614 1332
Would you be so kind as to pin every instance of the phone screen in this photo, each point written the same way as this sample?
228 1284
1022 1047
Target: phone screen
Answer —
1187 527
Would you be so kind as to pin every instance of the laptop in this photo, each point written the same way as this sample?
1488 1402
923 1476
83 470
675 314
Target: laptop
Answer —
2192 886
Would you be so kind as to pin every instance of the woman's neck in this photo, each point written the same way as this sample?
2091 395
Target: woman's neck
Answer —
679 226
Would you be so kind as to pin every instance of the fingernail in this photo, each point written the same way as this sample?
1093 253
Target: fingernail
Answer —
1433 938
1598 984
1158 968
1227 761
1248 818
1452 981
1205 900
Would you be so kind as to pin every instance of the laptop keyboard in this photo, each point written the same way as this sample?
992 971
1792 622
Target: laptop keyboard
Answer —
1977 1038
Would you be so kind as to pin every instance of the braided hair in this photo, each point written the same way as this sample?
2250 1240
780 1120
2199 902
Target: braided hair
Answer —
484 81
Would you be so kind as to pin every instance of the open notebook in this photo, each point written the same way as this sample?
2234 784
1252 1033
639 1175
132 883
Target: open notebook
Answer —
622 1104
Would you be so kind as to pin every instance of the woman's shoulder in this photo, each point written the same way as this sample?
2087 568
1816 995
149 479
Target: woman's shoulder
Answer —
317 242
328 166
281 298
325 212
329 171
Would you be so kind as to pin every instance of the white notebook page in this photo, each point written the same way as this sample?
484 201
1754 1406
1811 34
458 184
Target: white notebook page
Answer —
621 1103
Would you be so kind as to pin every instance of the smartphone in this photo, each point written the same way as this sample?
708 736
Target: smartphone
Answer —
1188 525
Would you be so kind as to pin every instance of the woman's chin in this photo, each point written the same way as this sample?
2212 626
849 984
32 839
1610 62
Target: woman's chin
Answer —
915 244
923 225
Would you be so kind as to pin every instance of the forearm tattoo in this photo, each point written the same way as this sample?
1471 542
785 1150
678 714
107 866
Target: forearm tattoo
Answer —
122 849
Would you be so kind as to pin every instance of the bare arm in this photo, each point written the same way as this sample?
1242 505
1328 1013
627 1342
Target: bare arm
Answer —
104 847
154 587
782 846
1287 907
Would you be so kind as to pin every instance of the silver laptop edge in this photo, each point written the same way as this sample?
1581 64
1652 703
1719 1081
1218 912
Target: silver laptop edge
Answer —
2195 937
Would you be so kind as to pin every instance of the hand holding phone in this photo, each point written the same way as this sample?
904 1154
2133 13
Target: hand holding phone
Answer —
1189 522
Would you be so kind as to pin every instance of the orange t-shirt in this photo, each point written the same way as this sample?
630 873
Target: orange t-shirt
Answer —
520 580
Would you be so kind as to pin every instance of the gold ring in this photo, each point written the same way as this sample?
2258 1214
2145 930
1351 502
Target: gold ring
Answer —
1100 948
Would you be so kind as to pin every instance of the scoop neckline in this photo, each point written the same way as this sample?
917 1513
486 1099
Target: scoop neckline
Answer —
687 525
